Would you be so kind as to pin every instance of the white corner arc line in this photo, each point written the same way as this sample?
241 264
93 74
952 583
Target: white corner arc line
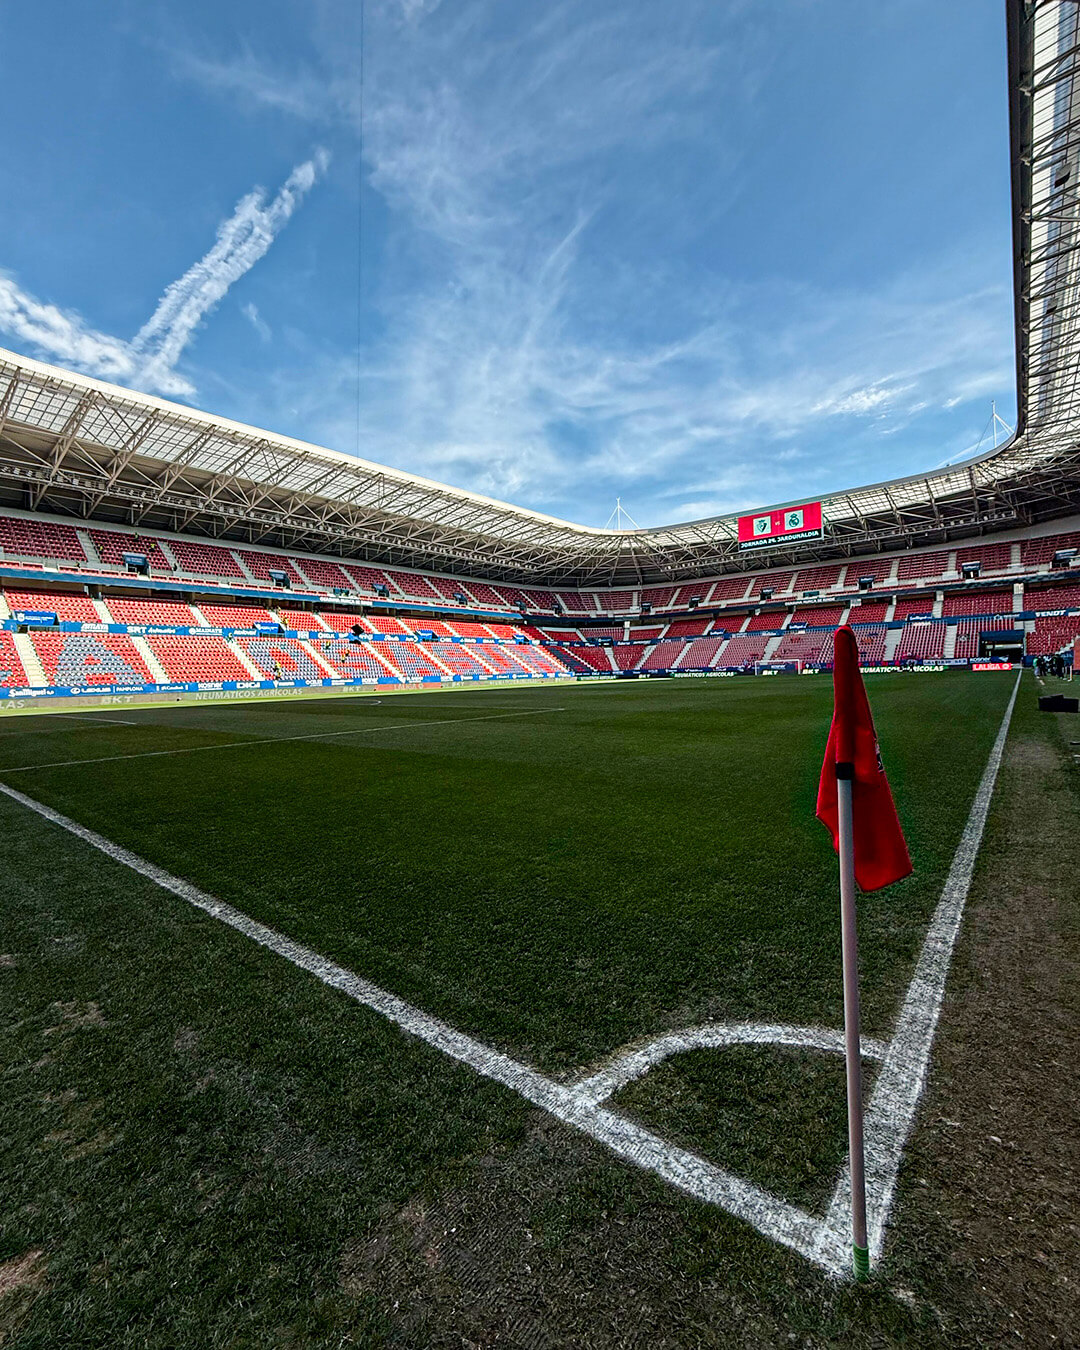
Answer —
276 740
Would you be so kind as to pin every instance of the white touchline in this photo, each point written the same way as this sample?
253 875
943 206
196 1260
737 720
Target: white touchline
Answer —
578 1103
278 740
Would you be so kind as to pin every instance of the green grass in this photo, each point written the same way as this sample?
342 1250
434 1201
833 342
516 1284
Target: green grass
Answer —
211 1148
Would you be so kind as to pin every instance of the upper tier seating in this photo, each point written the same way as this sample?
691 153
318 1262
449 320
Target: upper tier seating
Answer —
870 611
817 578
688 628
694 590
992 557
575 602
234 616
1037 552
387 623
327 576
921 604
486 595
366 578
260 566
76 659
922 640
743 650
730 589
779 582
415 586
659 597
12 673
878 568
280 658
615 602
196 658
73 608
767 622
1053 634
819 616
40 539
988 602
645 634
205 560
915 566
131 610
112 546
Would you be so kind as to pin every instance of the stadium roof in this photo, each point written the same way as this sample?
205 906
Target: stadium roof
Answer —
76 446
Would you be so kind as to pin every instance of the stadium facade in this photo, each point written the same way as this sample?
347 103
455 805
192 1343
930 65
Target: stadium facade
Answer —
148 545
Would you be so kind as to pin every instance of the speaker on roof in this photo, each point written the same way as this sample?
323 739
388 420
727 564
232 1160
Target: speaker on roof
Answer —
810 595
459 596
137 562
1063 557
280 580
646 607
381 589
970 570
767 592
340 590
693 602
866 583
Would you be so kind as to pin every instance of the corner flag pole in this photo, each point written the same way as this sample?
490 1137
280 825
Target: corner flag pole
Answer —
845 774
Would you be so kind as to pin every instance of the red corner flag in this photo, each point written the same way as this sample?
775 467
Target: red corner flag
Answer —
881 855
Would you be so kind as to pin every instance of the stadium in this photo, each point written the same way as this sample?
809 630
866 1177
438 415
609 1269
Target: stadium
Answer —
418 930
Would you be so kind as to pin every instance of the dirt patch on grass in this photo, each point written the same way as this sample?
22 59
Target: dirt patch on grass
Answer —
22 1272
75 1016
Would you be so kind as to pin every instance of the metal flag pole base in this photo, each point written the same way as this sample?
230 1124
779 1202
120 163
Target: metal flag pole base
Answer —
845 774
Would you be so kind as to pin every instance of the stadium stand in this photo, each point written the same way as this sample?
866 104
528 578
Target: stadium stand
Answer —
77 659
280 658
697 590
871 643
699 654
234 616
818 578
111 548
1052 597
968 630
878 568
260 566
1053 634
458 657
326 576
385 623
23 538
662 656
917 566
303 621
870 611
1039 552
614 602
743 650
730 589
367 578
660 597
594 657
125 610
922 604
196 658
921 641
990 557
986 602
688 628
66 606
205 560
819 616
778 582
11 666
804 645
767 622
353 660
626 656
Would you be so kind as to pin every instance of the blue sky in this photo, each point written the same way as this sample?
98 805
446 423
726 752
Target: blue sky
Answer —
705 255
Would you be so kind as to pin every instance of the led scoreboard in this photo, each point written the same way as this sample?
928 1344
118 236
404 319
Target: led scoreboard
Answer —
788 525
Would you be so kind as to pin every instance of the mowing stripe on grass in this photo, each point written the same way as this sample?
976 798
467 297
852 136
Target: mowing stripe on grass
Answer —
278 740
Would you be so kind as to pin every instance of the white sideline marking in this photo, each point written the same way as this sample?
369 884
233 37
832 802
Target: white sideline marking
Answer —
277 740
902 1076
826 1242
73 717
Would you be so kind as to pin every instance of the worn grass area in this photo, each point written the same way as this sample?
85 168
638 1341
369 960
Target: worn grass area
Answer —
209 1148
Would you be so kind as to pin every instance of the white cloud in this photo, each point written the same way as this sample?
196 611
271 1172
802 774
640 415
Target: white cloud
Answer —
251 313
149 360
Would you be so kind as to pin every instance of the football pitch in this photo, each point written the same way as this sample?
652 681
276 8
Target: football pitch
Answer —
441 1101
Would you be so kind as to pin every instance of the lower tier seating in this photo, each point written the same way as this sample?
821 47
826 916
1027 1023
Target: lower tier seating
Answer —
280 658
75 659
196 658
11 666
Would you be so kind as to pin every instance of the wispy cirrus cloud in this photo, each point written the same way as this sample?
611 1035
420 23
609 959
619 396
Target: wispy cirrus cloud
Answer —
148 361
552 324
